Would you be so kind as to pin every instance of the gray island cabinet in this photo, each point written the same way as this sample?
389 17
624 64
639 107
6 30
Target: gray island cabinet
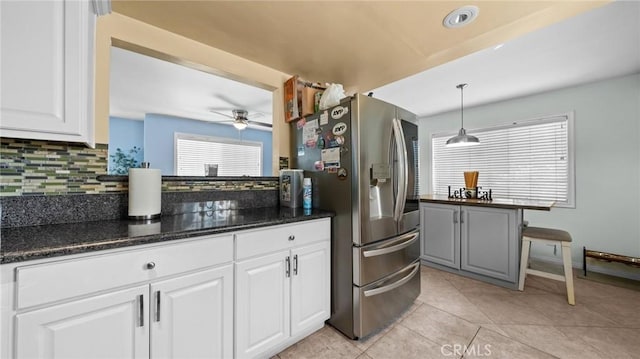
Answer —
474 238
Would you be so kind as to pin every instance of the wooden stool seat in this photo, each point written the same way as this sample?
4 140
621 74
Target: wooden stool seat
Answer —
546 233
550 236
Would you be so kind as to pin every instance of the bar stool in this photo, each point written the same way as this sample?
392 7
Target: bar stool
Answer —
549 236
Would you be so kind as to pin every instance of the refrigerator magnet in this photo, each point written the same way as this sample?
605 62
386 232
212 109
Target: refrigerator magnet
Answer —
332 169
324 118
338 112
300 123
318 165
342 173
330 157
339 129
310 133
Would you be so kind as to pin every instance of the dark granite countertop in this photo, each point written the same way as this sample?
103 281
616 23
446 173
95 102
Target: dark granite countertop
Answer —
46 241
509 203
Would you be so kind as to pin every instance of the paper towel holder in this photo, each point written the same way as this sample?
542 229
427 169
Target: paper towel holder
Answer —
148 194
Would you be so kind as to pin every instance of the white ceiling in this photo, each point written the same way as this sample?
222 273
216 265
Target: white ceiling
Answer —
141 84
598 44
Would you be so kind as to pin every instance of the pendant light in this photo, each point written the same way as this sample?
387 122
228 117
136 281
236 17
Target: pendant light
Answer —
462 139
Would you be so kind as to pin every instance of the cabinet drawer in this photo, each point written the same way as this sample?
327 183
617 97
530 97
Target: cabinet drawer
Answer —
271 239
48 282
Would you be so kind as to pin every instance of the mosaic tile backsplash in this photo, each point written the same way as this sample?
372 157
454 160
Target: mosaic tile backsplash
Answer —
30 167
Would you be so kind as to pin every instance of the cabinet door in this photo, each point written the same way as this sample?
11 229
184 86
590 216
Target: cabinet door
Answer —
440 233
112 325
310 293
47 70
192 315
262 303
489 242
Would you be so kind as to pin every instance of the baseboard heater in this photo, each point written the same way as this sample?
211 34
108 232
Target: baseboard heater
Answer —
609 257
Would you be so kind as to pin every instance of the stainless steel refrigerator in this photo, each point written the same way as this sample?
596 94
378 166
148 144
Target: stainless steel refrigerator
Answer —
362 156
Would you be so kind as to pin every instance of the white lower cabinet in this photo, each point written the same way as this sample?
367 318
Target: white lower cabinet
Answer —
192 315
164 301
263 301
310 281
103 326
175 300
284 295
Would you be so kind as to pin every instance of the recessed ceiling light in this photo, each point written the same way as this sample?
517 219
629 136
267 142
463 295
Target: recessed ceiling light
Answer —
461 17
498 46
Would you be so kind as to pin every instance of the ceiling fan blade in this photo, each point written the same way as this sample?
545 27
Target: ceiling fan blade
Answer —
256 123
228 100
222 114
255 114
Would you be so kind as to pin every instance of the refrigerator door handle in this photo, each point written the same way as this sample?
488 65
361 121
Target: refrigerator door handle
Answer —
401 153
405 168
378 252
386 288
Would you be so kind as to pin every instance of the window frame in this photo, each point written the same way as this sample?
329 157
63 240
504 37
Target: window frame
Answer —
223 140
571 153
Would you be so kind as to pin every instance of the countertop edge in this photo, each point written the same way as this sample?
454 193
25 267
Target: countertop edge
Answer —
116 243
485 203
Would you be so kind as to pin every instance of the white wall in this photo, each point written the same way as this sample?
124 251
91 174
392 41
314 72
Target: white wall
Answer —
607 158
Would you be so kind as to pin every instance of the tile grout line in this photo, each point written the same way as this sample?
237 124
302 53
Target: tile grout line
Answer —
471 341
393 325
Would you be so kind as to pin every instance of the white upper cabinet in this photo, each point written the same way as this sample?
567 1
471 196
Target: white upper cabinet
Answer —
46 62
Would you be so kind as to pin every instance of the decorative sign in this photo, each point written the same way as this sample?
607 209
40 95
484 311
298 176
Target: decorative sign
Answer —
470 193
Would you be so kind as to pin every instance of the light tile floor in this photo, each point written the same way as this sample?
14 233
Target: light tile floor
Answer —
458 317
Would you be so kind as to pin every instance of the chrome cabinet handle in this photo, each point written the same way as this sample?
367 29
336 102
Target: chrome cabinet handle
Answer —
141 310
157 315
455 216
295 264
288 267
151 265
292 237
461 216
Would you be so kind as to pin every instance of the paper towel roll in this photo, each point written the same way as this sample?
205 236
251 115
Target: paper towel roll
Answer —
145 188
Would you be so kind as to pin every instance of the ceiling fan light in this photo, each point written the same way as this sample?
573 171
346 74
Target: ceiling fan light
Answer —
240 125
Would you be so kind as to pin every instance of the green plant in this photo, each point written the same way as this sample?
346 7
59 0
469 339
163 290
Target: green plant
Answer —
123 161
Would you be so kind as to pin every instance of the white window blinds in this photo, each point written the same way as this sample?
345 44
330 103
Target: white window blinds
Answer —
529 160
234 158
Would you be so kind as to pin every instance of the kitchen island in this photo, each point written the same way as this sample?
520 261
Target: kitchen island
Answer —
476 238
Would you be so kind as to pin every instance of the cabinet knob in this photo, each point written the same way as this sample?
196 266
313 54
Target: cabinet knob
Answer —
151 265
292 237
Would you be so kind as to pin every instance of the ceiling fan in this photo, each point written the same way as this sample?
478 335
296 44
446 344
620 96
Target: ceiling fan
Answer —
240 119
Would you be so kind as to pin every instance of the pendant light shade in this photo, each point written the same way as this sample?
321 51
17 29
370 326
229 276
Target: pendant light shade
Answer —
462 139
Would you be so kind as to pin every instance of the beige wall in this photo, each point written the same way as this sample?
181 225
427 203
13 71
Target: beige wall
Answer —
135 35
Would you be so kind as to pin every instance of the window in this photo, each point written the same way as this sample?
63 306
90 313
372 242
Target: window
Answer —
234 158
531 160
